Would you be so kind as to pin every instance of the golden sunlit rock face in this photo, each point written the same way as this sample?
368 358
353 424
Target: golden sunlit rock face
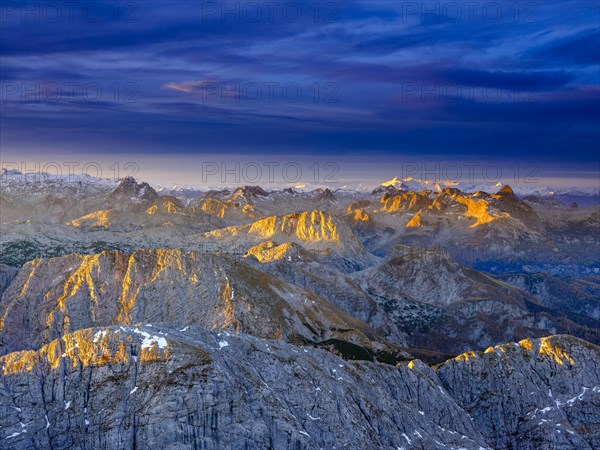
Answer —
90 347
404 201
480 210
357 214
164 207
226 318
269 251
415 222
546 348
214 207
95 219
236 207
309 226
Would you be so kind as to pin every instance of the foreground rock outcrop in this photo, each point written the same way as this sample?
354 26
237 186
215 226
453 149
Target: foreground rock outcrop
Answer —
535 394
165 388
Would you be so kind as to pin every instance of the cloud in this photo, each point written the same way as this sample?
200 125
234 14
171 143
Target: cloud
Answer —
581 48
367 54
538 80
188 87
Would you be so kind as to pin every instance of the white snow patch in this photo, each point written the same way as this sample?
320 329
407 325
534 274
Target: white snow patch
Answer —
223 344
18 433
133 390
150 341
407 438
99 335
14 435
67 405
304 433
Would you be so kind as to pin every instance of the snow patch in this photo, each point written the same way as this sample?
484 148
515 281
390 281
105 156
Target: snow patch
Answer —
150 341
99 335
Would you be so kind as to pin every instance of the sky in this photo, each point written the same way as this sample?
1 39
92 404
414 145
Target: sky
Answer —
369 86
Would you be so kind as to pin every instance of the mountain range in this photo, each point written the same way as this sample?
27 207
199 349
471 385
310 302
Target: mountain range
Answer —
412 315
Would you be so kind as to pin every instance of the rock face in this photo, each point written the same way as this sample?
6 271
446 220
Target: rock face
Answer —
57 296
580 296
444 306
165 388
315 272
131 192
537 394
7 274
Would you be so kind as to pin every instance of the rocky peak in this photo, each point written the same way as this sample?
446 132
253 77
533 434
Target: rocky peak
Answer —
451 191
405 201
506 200
249 192
324 195
9 172
129 190
505 191
384 190
548 386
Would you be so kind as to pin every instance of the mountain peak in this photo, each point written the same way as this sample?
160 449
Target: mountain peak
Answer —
391 182
6 171
130 190
252 191
506 190
324 194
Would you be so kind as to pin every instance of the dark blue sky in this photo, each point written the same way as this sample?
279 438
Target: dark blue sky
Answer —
502 80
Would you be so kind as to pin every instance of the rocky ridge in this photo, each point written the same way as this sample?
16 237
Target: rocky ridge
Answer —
158 387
